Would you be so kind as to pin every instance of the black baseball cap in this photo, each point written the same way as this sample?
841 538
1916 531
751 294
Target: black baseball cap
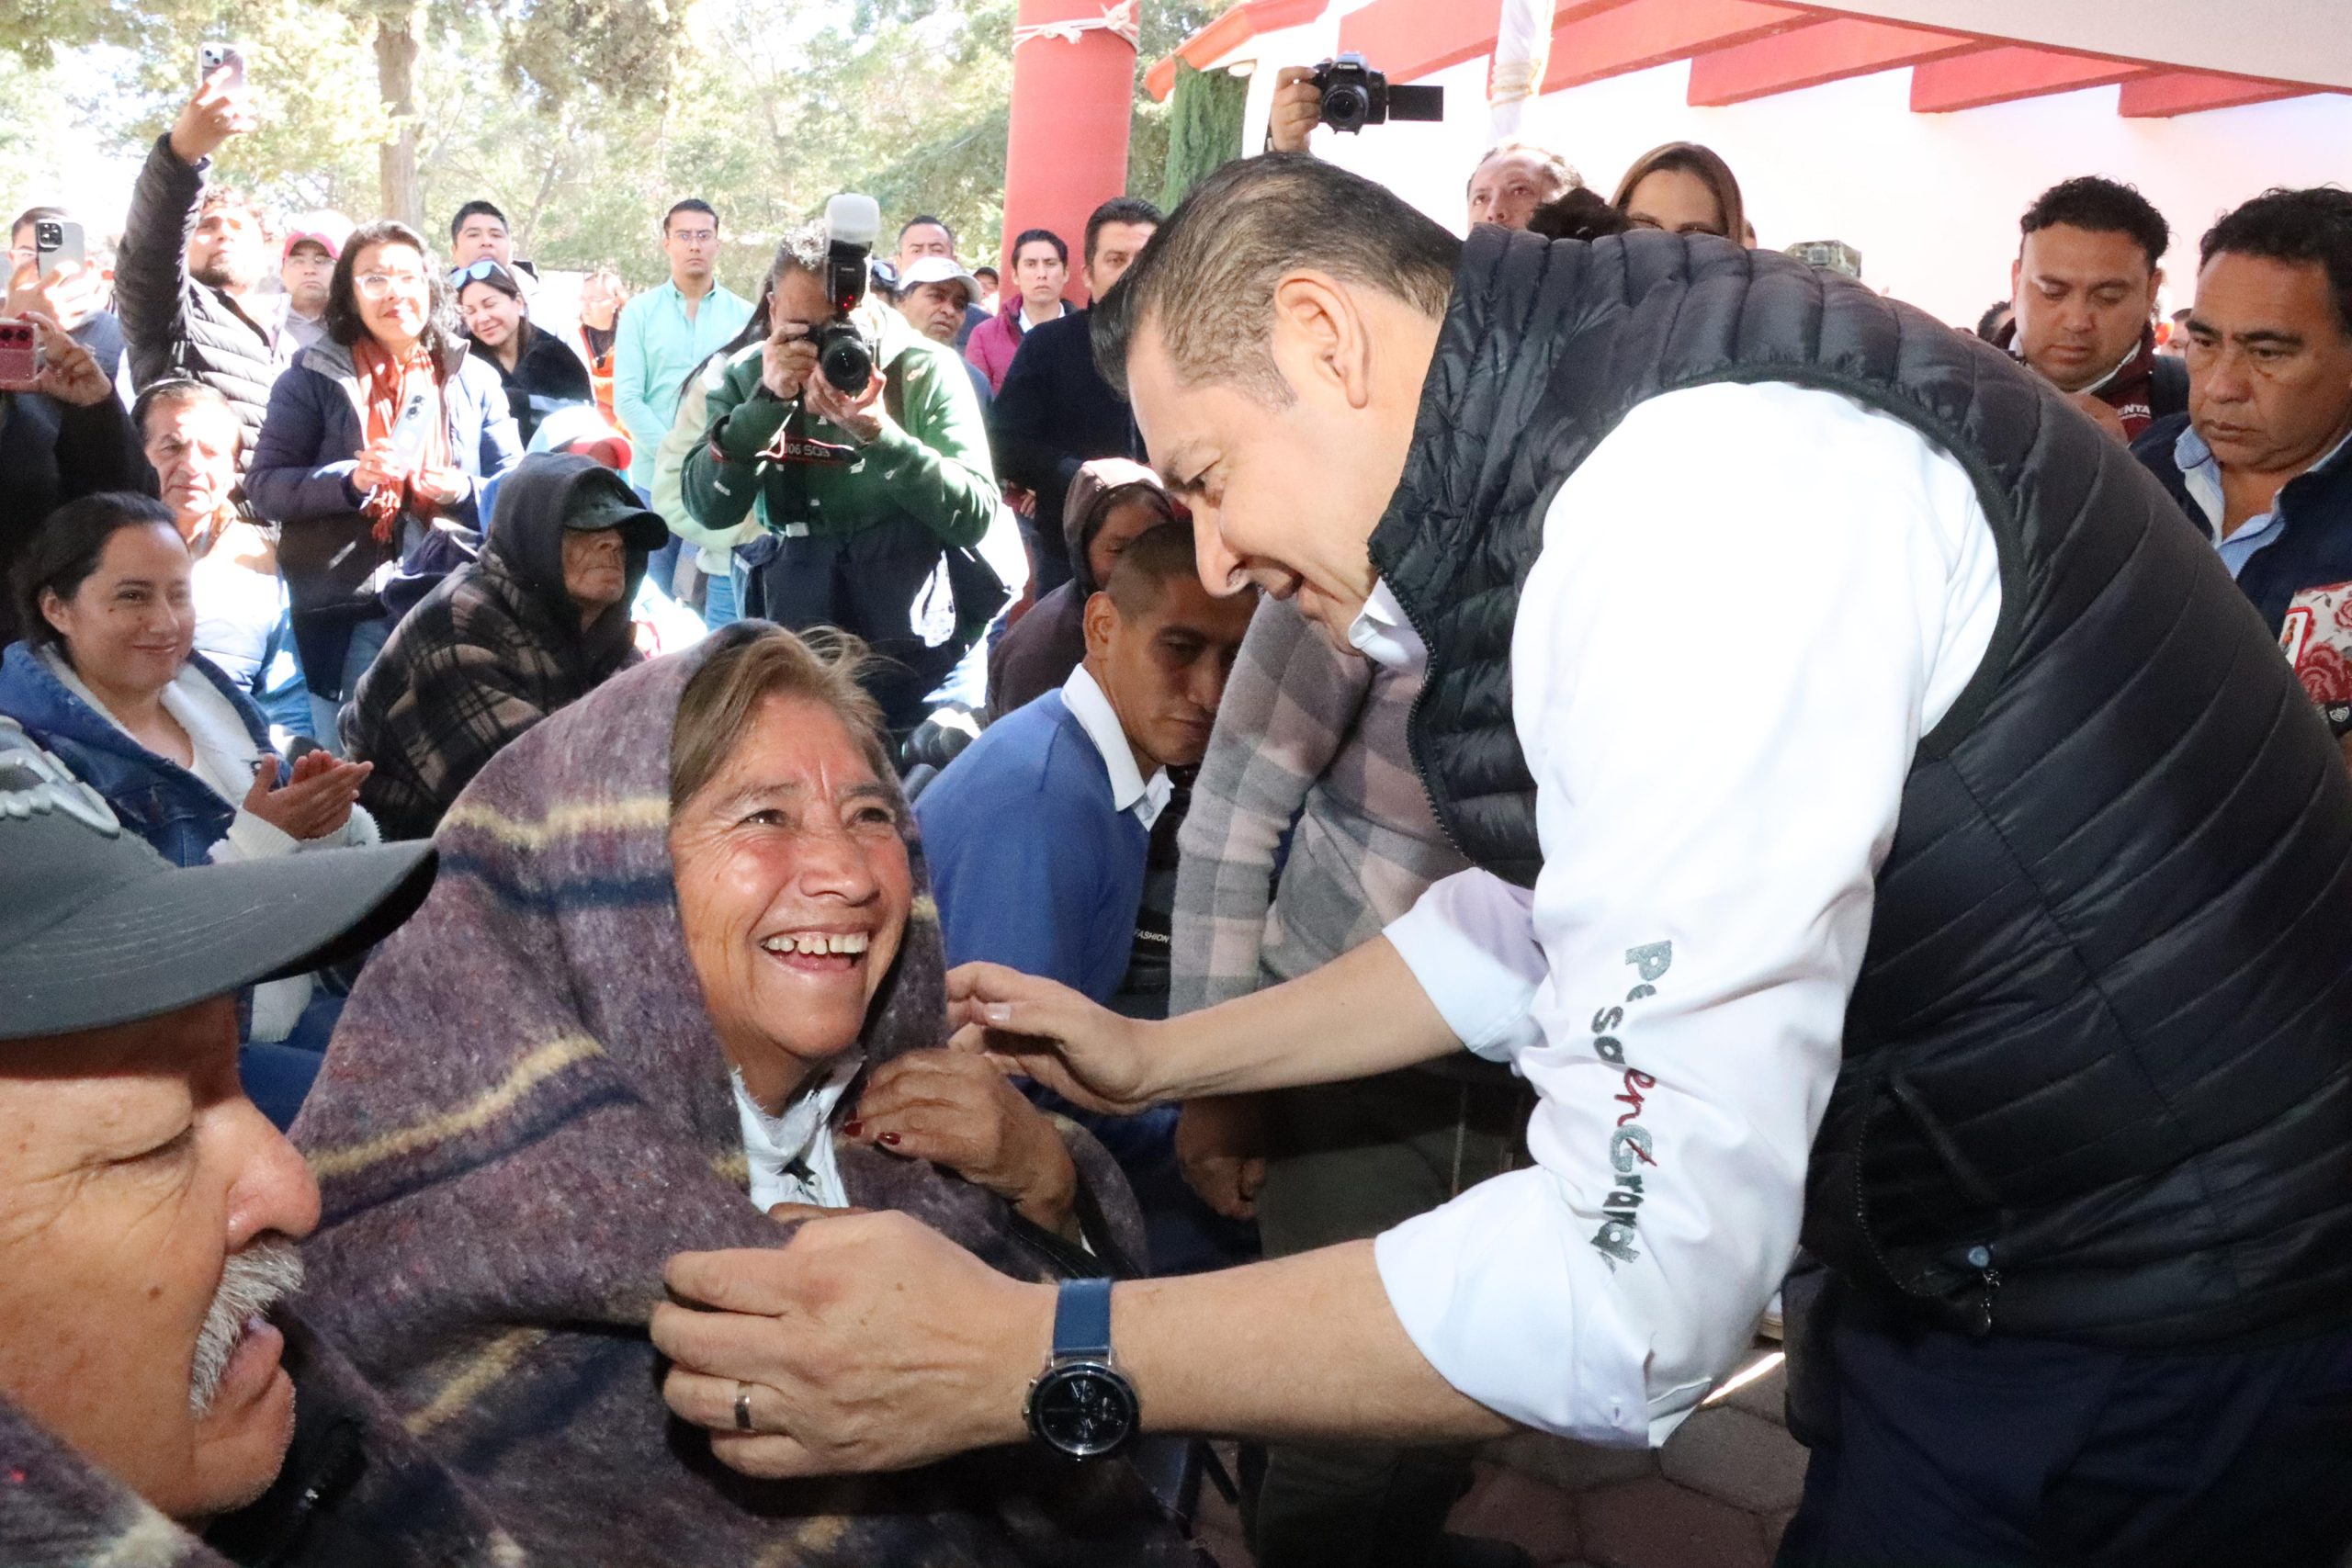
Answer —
597 499
96 929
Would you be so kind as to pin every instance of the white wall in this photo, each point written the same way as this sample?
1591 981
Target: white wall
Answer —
1931 200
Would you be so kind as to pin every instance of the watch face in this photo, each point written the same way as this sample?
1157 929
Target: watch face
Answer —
1083 1408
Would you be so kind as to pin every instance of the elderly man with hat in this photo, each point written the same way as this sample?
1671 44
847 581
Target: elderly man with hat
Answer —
157 1404
934 293
542 620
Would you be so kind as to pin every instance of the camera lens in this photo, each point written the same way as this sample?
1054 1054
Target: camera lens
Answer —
1346 107
843 355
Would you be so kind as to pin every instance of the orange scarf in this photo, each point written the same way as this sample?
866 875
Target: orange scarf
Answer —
386 385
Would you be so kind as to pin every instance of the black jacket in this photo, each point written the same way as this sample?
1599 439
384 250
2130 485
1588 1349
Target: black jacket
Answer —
356 1490
171 323
2313 547
1053 413
51 452
545 377
2098 1075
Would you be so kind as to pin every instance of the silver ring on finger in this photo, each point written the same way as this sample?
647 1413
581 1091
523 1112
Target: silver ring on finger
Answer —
744 1407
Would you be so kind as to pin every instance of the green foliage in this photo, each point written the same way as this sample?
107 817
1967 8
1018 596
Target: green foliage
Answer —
582 118
1205 128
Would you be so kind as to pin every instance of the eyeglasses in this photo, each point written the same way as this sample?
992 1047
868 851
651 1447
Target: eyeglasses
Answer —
376 285
477 271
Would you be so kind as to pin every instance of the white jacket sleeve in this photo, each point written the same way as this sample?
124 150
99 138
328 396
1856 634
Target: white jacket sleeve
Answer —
1750 603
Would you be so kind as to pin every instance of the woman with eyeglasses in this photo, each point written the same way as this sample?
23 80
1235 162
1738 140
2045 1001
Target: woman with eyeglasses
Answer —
540 374
373 456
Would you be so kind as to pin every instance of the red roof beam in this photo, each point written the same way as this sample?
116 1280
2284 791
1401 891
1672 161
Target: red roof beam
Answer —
1409 38
2164 94
1228 32
2006 74
1656 32
1830 52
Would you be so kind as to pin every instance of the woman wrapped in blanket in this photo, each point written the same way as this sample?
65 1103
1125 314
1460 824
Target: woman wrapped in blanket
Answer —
677 988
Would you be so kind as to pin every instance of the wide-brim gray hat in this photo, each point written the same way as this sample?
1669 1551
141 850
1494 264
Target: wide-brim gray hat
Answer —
98 930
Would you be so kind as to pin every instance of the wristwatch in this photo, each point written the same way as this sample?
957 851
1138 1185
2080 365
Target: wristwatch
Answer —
1081 1406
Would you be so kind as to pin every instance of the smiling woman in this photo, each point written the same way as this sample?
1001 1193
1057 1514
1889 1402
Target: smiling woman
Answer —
680 981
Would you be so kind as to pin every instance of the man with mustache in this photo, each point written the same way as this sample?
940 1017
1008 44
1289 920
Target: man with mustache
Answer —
157 1404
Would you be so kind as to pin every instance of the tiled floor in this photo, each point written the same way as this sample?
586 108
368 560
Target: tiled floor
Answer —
1715 1497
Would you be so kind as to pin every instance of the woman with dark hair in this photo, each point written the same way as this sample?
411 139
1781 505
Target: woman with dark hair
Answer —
540 374
1683 188
373 455
1579 214
108 678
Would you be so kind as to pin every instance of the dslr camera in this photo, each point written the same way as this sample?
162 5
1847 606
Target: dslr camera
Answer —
1355 96
851 224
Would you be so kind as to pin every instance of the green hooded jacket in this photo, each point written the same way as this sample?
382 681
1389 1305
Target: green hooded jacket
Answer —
930 463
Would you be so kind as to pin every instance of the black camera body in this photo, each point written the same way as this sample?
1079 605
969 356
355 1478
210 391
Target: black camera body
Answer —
1355 96
851 224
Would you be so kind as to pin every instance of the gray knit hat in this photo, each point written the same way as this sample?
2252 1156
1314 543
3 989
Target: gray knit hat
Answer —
96 929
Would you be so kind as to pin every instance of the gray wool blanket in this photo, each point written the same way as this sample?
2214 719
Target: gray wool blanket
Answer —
526 1112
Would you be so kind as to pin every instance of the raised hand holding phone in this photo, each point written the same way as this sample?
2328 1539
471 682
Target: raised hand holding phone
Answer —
39 356
220 109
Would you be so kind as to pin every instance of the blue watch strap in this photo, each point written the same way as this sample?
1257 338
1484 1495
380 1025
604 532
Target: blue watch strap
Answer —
1082 1319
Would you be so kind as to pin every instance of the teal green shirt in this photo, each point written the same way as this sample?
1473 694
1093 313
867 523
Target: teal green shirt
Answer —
655 349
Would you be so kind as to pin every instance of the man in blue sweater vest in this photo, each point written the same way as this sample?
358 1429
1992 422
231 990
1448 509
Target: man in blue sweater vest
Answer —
1052 839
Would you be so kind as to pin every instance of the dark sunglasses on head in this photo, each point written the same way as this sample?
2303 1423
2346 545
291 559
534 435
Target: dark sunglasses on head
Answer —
483 271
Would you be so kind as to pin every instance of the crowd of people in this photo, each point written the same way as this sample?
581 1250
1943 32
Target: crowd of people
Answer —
570 763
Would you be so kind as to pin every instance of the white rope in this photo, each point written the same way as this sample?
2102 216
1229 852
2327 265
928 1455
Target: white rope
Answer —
1118 18
1522 49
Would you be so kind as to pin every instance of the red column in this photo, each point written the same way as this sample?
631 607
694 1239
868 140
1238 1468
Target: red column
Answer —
1071 100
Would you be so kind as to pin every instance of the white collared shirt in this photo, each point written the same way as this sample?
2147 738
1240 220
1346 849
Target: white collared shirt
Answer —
1750 603
791 1155
1130 791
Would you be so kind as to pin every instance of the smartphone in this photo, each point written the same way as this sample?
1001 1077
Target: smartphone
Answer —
21 355
56 241
408 431
211 57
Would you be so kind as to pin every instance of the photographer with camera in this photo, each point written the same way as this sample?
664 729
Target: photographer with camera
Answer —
1507 183
858 444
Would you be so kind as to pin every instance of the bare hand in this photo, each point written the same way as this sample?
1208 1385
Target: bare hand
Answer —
316 798
2101 413
787 360
442 487
1088 1055
69 372
69 296
219 111
380 467
869 1342
955 1110
860 417
1297 109
1221 1150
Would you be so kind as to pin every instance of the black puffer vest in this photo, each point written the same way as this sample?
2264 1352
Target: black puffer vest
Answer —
2098 1080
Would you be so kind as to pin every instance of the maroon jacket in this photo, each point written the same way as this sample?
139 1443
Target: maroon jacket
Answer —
2149 386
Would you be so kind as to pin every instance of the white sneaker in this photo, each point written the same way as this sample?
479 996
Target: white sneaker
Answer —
1770 1329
